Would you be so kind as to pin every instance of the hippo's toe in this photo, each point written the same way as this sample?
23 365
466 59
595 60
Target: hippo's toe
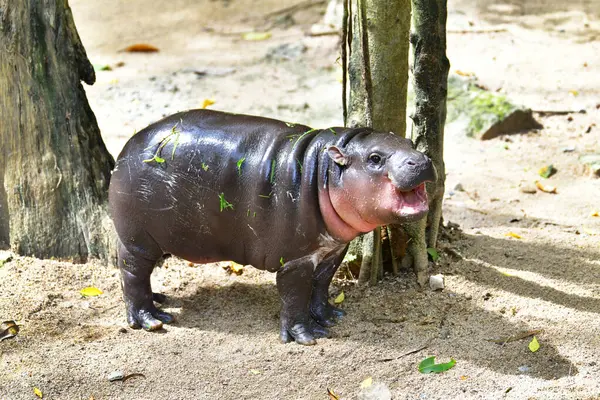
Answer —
159 298
304 334
149 320
327 315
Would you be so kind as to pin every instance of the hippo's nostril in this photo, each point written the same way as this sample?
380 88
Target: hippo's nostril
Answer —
411 163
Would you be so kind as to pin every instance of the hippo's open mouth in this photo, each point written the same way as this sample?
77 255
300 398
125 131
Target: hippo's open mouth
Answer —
413 203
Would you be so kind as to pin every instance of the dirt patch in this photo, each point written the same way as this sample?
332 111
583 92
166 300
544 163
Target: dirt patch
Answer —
225 342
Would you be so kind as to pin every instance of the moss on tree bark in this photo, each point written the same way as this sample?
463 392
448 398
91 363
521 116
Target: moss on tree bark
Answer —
54 167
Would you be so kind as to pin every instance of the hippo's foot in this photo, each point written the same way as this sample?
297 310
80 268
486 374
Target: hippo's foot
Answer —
326 315
159 298
149 320
303 333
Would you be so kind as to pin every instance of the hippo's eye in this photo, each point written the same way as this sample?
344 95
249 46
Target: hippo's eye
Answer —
375 158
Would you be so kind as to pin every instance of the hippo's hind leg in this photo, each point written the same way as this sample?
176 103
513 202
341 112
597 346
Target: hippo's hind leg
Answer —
136 268
294 283
321 310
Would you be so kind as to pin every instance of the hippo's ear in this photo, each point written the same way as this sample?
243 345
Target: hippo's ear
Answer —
337 156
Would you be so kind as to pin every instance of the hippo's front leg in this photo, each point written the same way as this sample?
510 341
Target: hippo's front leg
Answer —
320 309
294 283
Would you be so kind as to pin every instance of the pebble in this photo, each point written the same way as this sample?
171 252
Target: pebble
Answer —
459 187
436 282
116 376
377 391
524 368
529 189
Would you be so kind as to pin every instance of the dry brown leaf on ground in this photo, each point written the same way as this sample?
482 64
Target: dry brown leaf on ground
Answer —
546 189
141 48
8 329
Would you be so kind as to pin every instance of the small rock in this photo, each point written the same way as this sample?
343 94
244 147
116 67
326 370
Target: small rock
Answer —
569 149
377 391
524 368
436 282
529 189
591 162
459 187
122 330
213 71
286 51
116 376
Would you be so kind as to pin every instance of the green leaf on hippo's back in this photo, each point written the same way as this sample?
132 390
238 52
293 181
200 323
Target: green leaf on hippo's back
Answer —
534 345
340 298
428 365
433 253
239 165
90 291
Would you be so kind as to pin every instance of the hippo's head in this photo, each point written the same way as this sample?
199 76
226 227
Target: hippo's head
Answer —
376 179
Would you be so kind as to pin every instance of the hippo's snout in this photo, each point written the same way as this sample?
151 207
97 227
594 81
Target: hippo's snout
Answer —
412 170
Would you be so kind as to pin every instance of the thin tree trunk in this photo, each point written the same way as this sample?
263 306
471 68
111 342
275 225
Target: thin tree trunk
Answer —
54 167
376 58
431 83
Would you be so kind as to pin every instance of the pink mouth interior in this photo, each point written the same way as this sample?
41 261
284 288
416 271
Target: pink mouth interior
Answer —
413 201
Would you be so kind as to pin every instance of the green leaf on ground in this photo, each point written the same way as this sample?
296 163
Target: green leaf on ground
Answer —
428 365
534 345
547 171
433 253
256 36
340 298
90 291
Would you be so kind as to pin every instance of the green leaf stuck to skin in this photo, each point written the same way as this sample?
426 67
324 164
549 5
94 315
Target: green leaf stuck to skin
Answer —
272 174
281 261
433 253
428 365
157 156
239 165
224 204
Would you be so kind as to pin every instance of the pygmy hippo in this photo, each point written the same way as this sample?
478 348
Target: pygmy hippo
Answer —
212 186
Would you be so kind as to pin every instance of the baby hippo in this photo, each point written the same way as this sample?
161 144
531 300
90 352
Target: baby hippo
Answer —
211 186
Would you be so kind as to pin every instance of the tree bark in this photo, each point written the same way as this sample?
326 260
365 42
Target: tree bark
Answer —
54 167
376 58
430 74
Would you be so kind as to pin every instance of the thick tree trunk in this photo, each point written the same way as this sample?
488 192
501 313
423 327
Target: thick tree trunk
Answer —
431 86
54 167
376 58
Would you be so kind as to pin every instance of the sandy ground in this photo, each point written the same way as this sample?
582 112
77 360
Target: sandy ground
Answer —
225 343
